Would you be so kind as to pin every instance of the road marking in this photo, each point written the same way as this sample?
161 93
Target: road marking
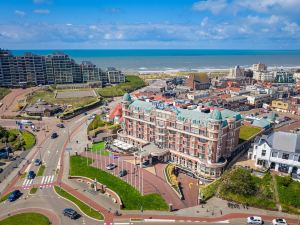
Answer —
25 180
224 221
52 178
158 220
43 179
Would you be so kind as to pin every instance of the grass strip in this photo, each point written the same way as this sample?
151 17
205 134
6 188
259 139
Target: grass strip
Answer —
41 171
26 219
83 207
33 190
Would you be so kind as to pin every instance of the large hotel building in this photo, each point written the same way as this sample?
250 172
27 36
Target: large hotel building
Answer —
196 140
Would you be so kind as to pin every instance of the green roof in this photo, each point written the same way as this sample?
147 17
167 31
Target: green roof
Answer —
263 123
127 97
216 115
196 117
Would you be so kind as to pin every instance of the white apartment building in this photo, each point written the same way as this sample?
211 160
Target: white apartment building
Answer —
264 76
280 151
236 72
259 67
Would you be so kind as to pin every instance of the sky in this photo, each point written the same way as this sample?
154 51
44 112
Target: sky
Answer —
150 24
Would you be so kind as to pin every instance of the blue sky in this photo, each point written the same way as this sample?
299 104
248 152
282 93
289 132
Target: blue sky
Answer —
143 24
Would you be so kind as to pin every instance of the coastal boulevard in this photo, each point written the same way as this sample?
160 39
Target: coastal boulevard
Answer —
55 158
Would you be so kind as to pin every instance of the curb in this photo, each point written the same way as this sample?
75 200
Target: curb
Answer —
77 205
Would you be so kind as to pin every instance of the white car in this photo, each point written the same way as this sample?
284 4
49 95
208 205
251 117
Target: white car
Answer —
279 221
111 166
254 220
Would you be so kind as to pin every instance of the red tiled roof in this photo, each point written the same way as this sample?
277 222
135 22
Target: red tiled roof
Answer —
117 111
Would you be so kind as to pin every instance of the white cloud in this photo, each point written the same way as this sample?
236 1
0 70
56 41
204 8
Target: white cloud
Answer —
292 28
215 6
41 11
271 20
20 13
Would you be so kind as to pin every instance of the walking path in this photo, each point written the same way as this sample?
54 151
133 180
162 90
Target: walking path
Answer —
278 205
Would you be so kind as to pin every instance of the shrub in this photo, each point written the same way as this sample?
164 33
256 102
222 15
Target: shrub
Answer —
241 182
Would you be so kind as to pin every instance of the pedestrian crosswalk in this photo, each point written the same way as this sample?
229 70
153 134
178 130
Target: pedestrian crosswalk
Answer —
27 183
47 181
44 182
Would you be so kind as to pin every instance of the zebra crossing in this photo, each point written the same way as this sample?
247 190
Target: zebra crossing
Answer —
27 184
45 182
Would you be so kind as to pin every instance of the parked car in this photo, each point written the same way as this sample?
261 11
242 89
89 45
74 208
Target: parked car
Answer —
37 162
111 166
145 163
122 173
70 213
1 170
279 221
31 175
14 195
60 125
54 135
254 220
85 113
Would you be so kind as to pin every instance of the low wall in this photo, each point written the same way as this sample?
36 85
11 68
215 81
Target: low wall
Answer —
78 111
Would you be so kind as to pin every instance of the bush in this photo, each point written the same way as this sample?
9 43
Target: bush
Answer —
241 182
12 137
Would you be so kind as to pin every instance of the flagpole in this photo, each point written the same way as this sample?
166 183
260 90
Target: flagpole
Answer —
142 183
97 159
131 172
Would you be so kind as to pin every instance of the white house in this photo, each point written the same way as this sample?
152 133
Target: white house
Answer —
279 151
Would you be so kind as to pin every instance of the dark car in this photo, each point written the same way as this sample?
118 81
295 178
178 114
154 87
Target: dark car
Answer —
122 173
1 170
37 162
54 135
60 125
31 175
70 213
14 195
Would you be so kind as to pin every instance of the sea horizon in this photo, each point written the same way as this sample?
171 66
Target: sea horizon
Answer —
155 60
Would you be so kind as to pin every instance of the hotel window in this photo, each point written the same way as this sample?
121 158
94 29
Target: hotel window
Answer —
263 153
274 154
285 156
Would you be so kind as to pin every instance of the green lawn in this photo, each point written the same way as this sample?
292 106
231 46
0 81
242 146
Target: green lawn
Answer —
99 148
84 208
26 219
27 139
48 95
41 170
289 194
131 198
33 190
4 92
132 83
246 132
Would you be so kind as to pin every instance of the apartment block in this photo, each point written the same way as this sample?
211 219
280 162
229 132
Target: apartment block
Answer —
57 68
114 75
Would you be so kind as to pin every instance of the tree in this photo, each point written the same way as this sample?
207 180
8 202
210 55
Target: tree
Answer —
238 181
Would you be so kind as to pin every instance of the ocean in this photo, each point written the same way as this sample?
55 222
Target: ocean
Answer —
178 59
